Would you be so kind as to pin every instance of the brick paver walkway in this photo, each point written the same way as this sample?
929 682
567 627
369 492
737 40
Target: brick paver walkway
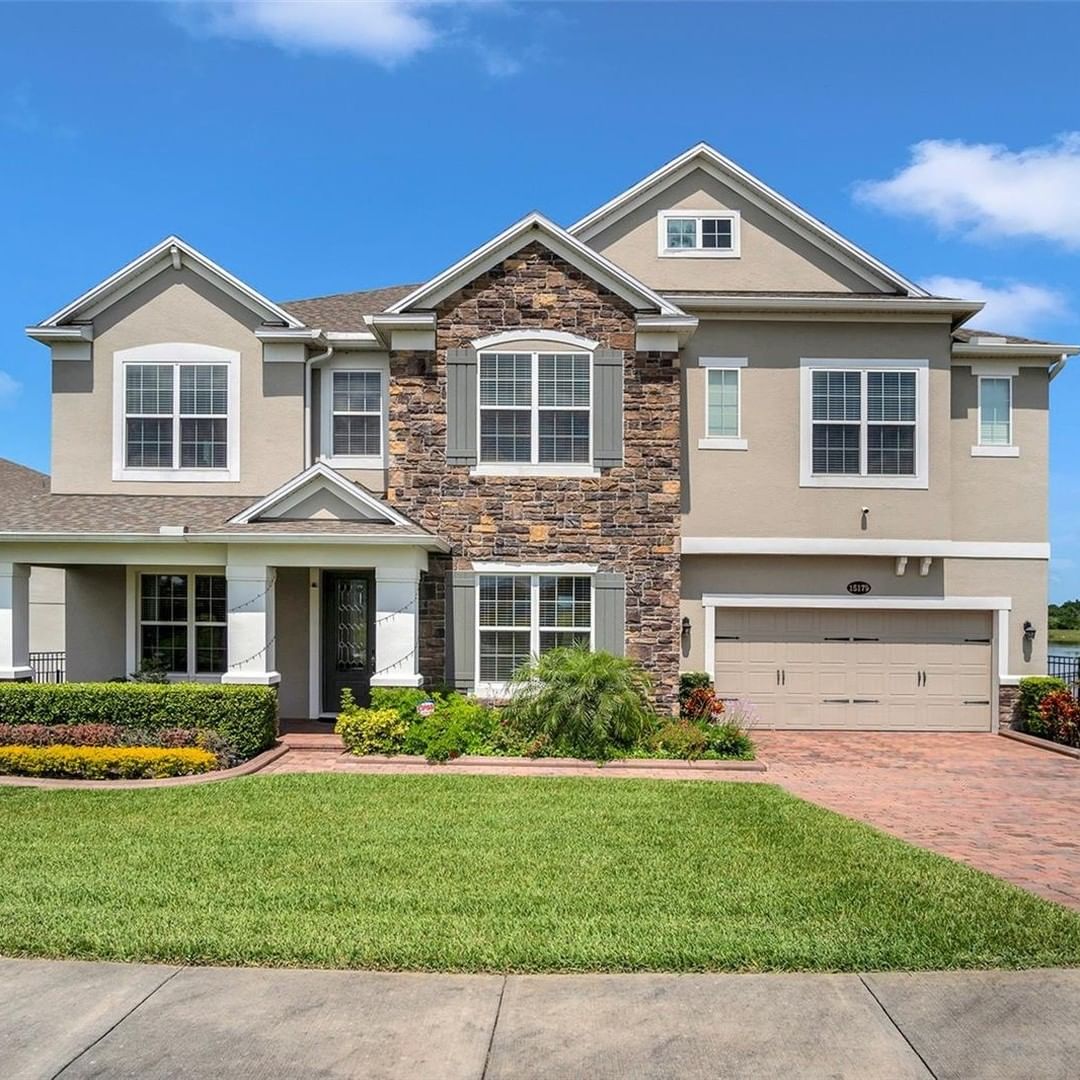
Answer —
1001 806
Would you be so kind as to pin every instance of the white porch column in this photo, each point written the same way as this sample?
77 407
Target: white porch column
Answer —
397 628
15 622
251 630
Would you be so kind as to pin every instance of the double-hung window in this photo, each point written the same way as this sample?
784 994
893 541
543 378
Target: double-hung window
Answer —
182 622
698 233
176 419
357 414
535 409
523 615
864 426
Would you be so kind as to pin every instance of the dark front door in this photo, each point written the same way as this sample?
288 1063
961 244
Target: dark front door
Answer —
348 635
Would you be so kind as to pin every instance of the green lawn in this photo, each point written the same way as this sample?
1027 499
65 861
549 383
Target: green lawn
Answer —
496 874
1064 637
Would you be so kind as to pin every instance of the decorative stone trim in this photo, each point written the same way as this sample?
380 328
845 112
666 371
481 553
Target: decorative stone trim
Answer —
1008 698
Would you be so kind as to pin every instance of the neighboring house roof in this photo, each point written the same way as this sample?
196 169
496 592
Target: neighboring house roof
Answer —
703 156
342 312
21 481
171 253
534 227
969 333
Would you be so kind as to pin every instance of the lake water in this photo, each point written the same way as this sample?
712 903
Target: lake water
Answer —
1061 648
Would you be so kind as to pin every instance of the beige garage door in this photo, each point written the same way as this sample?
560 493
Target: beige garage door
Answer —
871 670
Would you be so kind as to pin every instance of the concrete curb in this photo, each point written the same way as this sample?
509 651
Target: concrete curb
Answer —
570 764
1042 744
254 765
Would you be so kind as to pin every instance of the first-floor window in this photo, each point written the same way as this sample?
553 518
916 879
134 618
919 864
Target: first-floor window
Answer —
995 411
523 615
182 622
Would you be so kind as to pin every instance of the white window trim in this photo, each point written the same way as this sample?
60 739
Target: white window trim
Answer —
807 477
724 363
134 619
326 413
998 450
698 252
536 467
502 689
175 353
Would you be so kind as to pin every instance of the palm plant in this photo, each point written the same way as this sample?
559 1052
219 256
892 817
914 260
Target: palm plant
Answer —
592 704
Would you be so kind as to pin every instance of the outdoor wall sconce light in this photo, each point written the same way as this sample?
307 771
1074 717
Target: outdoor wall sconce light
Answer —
685 628
1029 632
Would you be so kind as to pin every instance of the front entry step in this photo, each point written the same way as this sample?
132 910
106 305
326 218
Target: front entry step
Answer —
326 742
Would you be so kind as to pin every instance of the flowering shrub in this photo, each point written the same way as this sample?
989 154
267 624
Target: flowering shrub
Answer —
702 706
104 762
1059 713
1033 689
369 731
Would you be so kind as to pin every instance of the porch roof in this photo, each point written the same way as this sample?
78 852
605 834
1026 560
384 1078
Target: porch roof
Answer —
27 513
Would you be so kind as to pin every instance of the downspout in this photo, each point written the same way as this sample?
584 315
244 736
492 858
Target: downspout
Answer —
1059 366
308 366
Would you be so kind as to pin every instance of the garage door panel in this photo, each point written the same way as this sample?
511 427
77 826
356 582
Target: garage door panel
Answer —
851 669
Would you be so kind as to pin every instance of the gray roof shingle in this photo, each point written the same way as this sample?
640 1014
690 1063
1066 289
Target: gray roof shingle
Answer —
345 311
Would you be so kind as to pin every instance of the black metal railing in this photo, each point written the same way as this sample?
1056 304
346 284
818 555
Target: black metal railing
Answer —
1065 667
48 666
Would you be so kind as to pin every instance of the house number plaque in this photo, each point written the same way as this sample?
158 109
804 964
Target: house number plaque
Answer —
858 588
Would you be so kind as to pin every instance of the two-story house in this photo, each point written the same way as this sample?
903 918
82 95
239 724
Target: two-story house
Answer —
697 426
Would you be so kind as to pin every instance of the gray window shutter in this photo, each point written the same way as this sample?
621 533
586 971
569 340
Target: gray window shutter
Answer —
609 619
461 406
608 407
461 631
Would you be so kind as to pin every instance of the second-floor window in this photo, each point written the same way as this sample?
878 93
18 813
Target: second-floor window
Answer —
176 416
864 426
357 409
702 233
995 411
535 408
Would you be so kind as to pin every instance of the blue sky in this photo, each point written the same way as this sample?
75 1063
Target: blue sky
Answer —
314 148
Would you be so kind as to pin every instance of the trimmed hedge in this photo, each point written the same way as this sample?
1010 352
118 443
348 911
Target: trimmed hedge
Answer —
104 762
243 717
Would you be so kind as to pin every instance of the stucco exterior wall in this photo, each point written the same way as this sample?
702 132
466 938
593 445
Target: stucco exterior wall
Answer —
1002 498
96 623
176 306
293 597
46 609
756 492
774 258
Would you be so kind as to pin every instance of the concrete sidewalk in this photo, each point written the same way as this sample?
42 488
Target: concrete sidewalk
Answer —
70 1019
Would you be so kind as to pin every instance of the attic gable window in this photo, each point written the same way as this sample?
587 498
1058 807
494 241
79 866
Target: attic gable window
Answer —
698 233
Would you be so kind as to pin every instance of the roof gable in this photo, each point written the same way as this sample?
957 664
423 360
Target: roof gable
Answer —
534 228
318 493
702 156
172 253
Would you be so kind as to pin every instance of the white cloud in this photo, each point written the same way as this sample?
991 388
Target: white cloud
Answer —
385 31
9 389
987 190
1015 307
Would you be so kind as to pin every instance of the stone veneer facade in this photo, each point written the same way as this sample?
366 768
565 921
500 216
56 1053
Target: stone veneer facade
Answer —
626 520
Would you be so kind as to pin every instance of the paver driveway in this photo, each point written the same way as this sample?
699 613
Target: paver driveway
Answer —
1007 808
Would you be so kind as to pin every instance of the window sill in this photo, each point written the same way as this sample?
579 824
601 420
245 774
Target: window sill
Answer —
492 691
509 470
850 481
718 443
177 476
375 462
995 451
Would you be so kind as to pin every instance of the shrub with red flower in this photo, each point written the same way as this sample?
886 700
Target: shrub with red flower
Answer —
1060 714
702 706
